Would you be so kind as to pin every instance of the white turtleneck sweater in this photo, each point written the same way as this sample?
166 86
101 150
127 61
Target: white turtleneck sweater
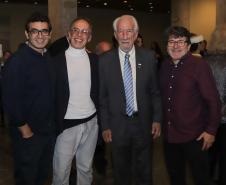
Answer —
79 76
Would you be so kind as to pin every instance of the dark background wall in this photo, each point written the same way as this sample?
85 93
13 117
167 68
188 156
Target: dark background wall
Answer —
13 17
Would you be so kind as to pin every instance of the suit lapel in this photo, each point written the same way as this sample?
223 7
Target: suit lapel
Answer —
139 71
92 66
117 71
64 73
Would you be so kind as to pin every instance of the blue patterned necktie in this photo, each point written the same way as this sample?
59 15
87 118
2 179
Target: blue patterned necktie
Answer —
128 86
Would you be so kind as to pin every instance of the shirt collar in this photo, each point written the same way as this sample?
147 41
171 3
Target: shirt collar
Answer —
182 60
131 52
43 51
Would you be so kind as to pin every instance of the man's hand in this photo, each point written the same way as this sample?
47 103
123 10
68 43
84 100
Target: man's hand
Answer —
208 140
156 130
26 131
107 135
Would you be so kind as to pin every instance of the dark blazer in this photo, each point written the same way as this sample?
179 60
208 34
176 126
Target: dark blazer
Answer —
112 99
62 86
58 46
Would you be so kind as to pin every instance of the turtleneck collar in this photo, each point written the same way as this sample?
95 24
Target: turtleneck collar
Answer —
75 52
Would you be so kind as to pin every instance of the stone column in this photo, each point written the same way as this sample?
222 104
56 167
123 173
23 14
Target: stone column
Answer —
199 16
61 13
218 39
180 13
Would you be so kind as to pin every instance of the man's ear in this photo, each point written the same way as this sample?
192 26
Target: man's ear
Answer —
136 35
50 34
26 34
189 46
90 37
115 35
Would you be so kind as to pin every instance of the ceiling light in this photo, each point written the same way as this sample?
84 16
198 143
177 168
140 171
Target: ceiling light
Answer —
125 1
6 1
87 6
36 2
131 9
105 4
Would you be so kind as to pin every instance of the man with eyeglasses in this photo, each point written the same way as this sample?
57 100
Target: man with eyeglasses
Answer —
76 106
130 105
191 109
29 102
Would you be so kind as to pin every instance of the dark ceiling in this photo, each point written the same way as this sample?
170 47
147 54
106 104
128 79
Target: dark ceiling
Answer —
150 6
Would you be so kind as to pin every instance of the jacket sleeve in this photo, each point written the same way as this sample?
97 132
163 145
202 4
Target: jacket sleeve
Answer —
103 95
210 95
155 91
14 91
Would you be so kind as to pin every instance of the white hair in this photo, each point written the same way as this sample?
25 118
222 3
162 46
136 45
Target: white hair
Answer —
128 16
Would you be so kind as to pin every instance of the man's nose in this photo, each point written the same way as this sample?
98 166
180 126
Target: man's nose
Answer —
124 34
40 34
79 33
175 45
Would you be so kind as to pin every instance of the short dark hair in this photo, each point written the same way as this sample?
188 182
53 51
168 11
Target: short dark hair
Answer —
37 17
194 47
140 36
79 19
178 31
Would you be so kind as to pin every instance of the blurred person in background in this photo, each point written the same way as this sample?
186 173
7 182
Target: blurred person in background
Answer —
102 47
6 55
197 45
139 42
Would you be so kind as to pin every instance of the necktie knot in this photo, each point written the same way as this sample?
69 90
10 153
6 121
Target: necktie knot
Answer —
127 56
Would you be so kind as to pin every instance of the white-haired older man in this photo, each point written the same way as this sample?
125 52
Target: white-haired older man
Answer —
130 107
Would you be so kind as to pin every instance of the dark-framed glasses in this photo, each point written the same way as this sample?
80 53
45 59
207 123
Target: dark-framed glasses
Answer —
179 43
35 32
78 31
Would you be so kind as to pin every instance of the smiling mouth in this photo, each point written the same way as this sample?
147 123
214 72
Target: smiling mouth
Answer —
78 40
176 51
40 42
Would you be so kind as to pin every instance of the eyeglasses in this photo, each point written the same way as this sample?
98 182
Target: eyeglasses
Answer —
128 31
179 43
35 32
78 31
